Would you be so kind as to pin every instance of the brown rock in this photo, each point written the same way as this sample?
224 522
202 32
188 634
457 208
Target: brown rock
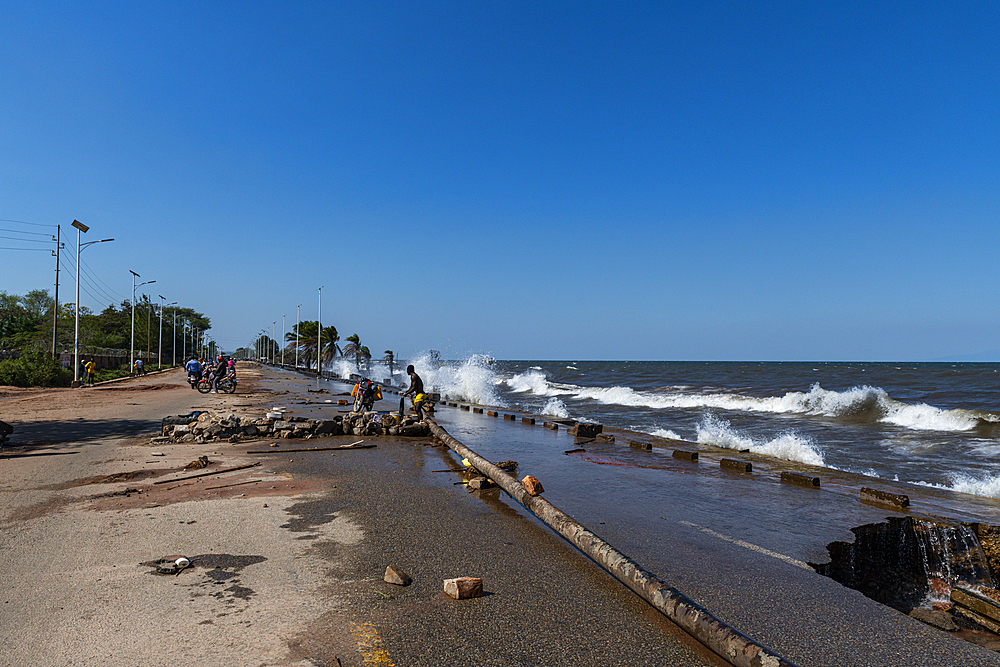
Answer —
532 485
464 588
393 575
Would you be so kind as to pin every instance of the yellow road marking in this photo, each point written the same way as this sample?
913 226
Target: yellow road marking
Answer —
370 645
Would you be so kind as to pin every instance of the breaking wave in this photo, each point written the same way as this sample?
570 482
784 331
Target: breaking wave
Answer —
862 404
555 408
720 433
473 380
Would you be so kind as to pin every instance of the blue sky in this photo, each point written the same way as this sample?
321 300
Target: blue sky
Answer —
715 180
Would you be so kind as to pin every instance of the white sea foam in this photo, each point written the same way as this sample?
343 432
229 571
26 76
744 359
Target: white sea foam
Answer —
474 380
555 408
720 433
665 433
862 403
532 381
988 486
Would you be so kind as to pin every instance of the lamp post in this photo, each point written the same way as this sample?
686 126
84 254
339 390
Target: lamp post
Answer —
274 343
131 352
80 227
173 330
282 340
159 352
319 338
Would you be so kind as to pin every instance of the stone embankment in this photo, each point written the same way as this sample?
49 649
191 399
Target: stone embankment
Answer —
208 426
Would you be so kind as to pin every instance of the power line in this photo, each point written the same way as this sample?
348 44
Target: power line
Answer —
18 231
14 238
40 249
22 222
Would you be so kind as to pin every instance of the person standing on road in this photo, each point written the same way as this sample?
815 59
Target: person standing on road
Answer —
417 389
91 370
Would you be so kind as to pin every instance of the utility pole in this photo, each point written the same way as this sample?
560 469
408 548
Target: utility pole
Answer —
55 306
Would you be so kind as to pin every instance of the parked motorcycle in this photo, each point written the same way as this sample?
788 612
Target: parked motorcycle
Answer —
365 394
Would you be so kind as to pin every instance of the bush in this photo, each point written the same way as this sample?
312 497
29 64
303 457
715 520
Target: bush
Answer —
34 368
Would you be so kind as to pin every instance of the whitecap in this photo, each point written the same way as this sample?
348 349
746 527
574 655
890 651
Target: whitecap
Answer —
789 445
555 408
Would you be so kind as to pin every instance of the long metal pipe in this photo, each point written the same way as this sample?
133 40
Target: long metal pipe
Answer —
728 643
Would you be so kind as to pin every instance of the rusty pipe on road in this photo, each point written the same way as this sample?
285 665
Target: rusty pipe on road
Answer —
724 640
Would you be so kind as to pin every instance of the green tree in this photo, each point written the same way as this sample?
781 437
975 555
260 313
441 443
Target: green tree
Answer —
355 350
307 342
35 367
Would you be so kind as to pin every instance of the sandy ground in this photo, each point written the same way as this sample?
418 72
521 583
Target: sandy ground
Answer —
79 583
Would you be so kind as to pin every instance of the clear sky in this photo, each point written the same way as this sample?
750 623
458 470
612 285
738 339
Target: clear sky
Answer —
566 180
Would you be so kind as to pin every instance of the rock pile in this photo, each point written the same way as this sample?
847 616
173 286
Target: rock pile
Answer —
207 426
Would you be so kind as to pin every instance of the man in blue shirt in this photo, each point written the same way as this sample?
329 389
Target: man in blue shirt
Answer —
194 369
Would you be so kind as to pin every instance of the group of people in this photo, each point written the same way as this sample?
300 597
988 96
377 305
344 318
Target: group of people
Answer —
223 366
88 369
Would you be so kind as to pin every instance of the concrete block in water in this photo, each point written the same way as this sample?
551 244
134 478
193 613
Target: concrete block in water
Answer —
639 444
606 437
587 430
493 413
735 465
552 426
685 456
477 411
510 417
464 407
799 479
528 420
877 497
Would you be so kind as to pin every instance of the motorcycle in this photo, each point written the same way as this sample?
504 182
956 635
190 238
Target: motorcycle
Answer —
193 379
227 385
365 394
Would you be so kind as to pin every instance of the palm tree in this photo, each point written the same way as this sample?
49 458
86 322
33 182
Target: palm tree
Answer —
353 349
307 341
306 338
330 347
366 354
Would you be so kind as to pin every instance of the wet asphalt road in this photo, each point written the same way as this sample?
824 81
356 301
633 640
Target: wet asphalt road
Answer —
735 544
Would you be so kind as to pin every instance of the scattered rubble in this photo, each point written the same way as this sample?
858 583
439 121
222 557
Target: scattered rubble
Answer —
532 485
206 426
464 588
393 575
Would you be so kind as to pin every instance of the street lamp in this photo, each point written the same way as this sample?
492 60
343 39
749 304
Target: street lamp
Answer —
131 352
319 338
80 227
282 340
159 352
173 329
297 336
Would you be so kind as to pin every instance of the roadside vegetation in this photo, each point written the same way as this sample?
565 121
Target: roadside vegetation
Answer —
26 337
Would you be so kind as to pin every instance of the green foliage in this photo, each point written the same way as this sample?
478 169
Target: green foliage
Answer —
34 368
